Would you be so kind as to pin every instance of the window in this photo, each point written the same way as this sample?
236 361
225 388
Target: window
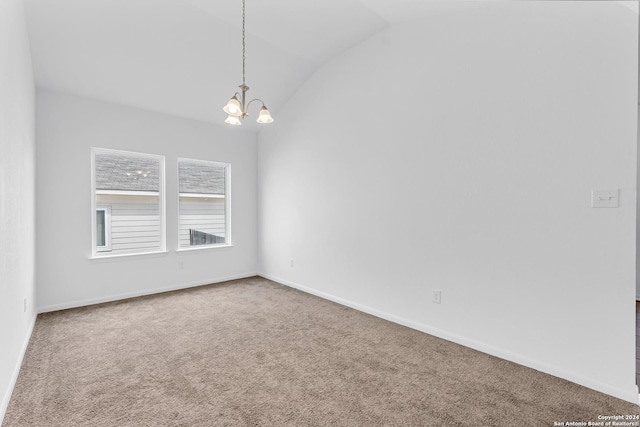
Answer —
203 204
103 228
128 204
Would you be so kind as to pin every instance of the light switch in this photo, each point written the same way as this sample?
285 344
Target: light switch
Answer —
605 199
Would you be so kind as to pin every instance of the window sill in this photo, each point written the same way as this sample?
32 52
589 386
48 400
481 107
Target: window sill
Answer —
115 257
203 248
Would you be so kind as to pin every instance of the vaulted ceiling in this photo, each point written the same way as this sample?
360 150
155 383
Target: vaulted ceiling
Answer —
184 57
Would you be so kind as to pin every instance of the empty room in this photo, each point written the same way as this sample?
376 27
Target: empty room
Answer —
318 213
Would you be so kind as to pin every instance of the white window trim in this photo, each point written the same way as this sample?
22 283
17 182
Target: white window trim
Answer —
127 193
202 195
107 228
227 205
163 208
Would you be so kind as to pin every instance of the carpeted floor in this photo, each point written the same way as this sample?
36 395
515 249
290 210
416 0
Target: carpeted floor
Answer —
255 353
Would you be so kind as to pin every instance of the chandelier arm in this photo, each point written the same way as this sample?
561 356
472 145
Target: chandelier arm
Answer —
255 99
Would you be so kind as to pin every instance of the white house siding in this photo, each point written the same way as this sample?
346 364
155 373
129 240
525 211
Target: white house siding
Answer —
202 214
135 221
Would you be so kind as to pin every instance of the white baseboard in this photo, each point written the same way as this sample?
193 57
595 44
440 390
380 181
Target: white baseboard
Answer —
118 297
630 395
16 371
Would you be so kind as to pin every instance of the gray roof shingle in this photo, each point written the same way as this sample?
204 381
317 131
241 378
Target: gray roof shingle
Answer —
125 173
201 178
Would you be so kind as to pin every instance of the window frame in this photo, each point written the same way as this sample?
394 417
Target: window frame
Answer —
95 253
107 228
227 205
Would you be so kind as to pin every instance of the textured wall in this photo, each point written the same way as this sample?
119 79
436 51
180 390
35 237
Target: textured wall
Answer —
17 193
68 127
459 154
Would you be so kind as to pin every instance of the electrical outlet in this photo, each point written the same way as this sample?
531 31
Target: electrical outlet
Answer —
291 262
437 297
24 305
181 265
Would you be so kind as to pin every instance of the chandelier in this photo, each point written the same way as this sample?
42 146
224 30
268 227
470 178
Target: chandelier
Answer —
237 108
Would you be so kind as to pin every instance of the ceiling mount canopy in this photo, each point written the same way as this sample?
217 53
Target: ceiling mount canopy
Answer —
237 108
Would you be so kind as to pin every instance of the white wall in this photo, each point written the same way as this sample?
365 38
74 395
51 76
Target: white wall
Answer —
17 194
67 128
459 154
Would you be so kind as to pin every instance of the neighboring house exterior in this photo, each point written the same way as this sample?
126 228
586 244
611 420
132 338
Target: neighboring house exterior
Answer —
128 204
202 204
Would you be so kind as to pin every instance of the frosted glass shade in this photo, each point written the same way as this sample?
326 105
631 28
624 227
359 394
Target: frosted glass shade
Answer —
233 120
233 107
264 116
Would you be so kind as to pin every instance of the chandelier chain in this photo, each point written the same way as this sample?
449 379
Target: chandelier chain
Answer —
237 108
243 48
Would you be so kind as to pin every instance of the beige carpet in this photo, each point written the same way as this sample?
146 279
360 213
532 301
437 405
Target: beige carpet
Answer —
255 353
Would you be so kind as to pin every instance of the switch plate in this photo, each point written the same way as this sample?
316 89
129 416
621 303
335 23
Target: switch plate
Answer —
605 198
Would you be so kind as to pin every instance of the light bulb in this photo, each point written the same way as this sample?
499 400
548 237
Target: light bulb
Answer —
264 116
233 107
233 120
